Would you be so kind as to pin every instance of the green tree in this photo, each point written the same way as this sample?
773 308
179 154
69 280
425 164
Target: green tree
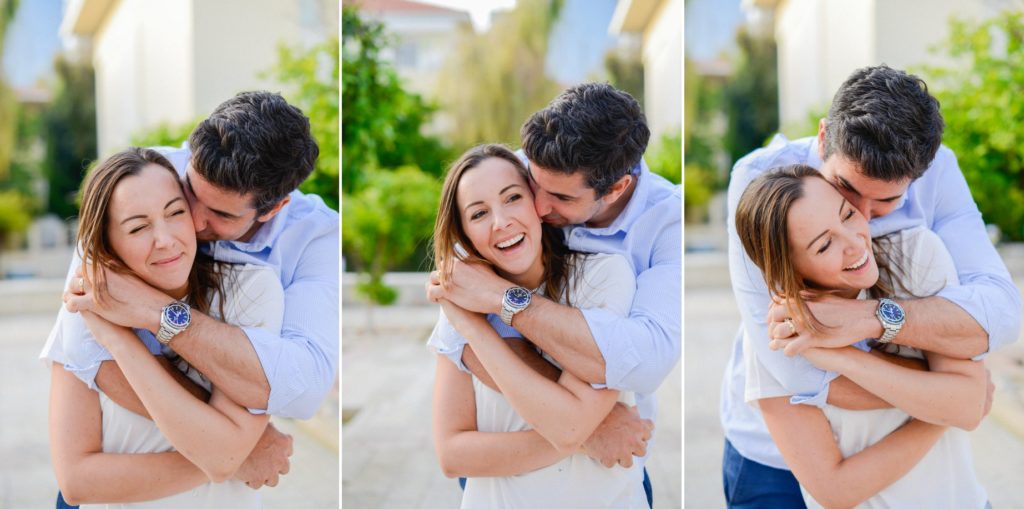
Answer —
494 80
751 96
385 223
381 122
69 128
706 163
164 134
982 106
665 157
8 104
312 76
14 216
625 72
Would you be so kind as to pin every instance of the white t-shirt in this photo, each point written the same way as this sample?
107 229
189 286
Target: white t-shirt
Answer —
945 477
254 298
605 281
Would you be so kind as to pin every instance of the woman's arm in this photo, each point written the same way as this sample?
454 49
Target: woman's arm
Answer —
565 412
951 394
216 437
466 452
85 473
805 440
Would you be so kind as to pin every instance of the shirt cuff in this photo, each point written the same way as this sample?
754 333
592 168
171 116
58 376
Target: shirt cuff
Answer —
269 350
974 305
620 355
819 398
445 340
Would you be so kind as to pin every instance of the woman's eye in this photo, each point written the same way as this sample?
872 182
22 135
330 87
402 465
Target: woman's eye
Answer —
137 229
514 197
849 214
178 212
825 246
477 215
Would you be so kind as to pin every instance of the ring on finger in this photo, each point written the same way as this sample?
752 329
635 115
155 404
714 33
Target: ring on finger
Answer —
81 285
792 328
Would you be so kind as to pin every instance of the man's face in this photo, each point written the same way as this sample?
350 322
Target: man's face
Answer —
219 214
872 197
562 199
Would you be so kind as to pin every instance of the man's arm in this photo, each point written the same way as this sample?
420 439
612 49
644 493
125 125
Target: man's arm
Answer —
286 373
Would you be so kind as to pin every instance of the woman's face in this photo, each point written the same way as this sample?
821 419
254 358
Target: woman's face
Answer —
151 230
830 243
496 210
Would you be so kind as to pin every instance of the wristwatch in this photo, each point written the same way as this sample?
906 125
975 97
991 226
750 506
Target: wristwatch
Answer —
892 317
174 318
515 300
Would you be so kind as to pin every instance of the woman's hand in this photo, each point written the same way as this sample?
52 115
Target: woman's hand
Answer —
846 321
828 359
105 332
462 319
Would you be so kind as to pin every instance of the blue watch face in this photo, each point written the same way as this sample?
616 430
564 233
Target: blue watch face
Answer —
178 315
518 296
891 312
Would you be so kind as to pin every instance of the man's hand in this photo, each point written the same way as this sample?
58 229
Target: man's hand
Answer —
473 286
267 461
620 436
846 321
111 297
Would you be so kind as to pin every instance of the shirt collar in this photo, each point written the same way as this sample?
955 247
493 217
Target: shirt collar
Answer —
634 208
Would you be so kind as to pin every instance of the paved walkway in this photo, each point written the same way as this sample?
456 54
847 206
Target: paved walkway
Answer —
26 476
711 320
388 458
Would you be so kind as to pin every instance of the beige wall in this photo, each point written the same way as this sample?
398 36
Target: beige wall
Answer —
663 69
141 56
172 61
821 42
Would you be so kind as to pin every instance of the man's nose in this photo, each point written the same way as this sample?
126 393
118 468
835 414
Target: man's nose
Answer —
199 218
542 203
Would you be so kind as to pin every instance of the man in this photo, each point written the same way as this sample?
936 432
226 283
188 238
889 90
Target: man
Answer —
584 153
240 172
881 147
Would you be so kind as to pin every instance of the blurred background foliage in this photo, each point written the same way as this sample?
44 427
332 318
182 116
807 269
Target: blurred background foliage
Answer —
983 107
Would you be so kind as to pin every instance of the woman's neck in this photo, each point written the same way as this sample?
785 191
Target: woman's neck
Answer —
531 279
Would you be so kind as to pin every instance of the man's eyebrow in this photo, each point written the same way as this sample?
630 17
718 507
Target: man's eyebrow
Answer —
188 182
845 184
529 171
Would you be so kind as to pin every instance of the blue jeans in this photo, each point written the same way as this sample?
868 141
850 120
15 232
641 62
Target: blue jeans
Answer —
647 488
61 504
751 485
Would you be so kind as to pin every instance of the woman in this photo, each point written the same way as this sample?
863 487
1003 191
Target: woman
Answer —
135 219
807 239
520 447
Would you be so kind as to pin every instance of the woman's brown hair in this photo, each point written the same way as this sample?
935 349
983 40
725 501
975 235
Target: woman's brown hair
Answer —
558 260
94 245
761 224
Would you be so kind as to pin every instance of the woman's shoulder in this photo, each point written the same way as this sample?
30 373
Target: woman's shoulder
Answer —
591 263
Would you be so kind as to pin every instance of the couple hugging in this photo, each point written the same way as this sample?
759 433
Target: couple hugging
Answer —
202 300
558 275
870 294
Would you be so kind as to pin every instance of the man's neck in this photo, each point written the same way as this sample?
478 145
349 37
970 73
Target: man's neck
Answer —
611 212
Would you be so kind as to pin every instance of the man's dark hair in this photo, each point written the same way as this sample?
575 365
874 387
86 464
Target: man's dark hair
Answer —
886 121
593 128
255 143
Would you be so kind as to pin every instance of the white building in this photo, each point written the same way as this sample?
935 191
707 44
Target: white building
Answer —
659 23
424 37
172 61
820 42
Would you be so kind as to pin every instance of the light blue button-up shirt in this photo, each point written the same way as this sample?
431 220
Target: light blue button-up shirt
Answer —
639 350
941 201
301 244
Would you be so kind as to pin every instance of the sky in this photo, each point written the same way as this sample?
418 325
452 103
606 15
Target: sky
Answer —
578 42
31 42
710 27
479 10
